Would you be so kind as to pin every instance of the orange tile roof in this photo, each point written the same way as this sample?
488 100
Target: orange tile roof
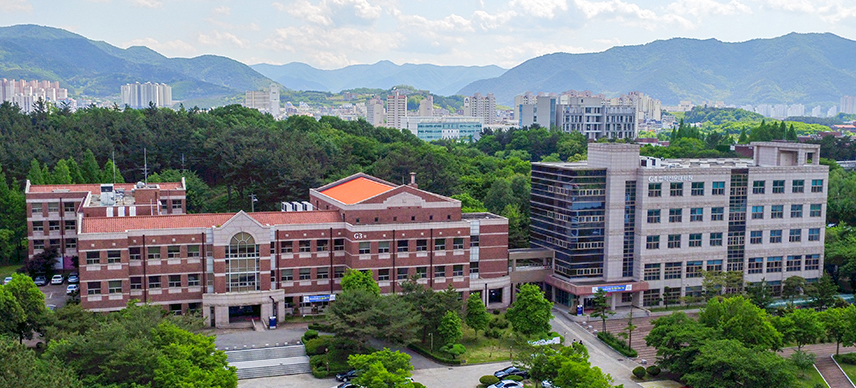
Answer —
183 221
96 188
356 190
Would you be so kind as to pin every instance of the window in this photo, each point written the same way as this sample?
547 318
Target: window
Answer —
474 267
796 211
402 273
775 236
440 271
652 242
717 188
794 263
421 245
440 244
458 270
286 247
812 262
714 266
674 241
696 214
339 244
68 207
305 246
756 237
38 226
716 239
54 243
676 215
694 269
193 251
655 189
114 257
37 209
735 264
627 297
93 258
53 207
383 275
383 247
673 271
53 225
287 275
136 282
70 225
193 279
798 186
652 271
774 264
676 189
795 235
757 212
422 272
322 273
322 245
697 188
70 243
155 281
814 234
654 216
458 243
134 253
38 244
93 288
173 251
717 213
403 246
365 248
651 298
174 281
695 240
474 241
817 185
756 265
153 253
758 187
814 210
176 204
777 211
305 274
778 187
338 272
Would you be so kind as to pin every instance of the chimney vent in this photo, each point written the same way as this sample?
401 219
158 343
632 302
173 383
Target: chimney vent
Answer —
413 179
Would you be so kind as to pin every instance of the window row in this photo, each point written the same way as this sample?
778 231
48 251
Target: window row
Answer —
775 236
696 214
54 226
383 274
676 189
151 282
778 186
70 243
756 265
53 207
778 211
674 240
440 244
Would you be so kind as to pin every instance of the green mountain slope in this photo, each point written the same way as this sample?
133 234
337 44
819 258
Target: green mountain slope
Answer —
99 69
795 68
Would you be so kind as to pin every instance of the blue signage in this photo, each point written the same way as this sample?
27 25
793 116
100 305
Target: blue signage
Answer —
617 288
318 298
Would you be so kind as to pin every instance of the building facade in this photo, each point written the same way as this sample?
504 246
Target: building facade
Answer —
264 100
481 106
396 110
446 127
240 266
644 229
374 111
592 115
139 96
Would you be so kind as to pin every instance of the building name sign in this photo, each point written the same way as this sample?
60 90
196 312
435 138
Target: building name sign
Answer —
618 288
359 236
671 178
318 298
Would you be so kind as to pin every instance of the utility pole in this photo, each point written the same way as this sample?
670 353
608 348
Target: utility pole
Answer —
253 201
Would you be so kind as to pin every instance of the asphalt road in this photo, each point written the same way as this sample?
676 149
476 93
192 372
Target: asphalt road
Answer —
55 294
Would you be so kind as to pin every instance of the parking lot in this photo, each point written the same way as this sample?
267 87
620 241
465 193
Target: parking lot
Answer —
55 294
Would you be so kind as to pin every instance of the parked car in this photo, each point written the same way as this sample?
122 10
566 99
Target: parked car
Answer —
346 385
72 289
507 384
40 280
73 278
7 280
548 384
57 279
347 376
511 371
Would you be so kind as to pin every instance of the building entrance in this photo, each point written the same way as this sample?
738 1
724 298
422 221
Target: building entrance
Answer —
244 313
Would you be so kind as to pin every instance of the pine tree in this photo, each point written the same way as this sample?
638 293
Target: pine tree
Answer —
743 139
35 175
107 176
477 317
74 171
89 169
792 133
61 174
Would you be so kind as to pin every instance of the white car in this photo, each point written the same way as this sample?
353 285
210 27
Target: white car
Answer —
7 280
72 289
507 384
57 279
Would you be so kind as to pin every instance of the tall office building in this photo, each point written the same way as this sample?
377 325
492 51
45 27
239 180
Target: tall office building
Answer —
374 111
139 95
848 105
264 100
644 229
481 106
396 110
592 115
426 106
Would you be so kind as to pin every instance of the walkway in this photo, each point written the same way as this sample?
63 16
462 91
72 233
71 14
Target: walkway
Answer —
831 373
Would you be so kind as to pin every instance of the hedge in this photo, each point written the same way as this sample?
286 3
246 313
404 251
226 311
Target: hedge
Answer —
617 344
318 345
425 352
653 370
321 327
488 380
849 358
309 335
639 371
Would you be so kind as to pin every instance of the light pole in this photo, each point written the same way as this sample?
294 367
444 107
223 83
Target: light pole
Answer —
253 201
432 341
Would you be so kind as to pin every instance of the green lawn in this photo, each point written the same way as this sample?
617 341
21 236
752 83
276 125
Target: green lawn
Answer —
811 379
8 270
483 350
849 370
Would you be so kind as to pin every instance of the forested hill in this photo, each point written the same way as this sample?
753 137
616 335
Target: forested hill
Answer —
98 69
795 68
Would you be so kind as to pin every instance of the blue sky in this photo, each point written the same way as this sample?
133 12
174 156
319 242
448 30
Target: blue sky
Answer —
335 33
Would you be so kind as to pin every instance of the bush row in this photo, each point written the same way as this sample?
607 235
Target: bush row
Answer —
425 352
322 327
616 344
849 358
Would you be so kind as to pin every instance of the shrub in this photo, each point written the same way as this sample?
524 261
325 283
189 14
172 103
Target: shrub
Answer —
498 323
493 333
418 385
321 327
849 358
489 379
514 378
310 335
653 370
425 352
496 312
639 371
318 345
617 344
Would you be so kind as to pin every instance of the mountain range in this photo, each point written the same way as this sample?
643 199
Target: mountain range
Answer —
440 80
795 68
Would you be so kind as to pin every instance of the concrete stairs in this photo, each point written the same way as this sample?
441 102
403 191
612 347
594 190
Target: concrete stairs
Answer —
268 362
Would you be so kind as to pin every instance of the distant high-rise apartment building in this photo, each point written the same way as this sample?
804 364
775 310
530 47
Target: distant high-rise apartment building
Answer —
26 93
536 110
647 108
815 112
374 111
139 95
264 100
592 115
481 106
396 110
833 111
796 110
426 106
848 105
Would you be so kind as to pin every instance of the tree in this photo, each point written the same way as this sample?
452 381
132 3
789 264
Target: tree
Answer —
803 361
381 369
793 286
359 280
111 173
41 262
89 168
394 319
678 339
22 368
36 176
518 226
530 312
807 326
628 330
74 171
430 305
13 314
840 324
759 294
823 292
738 319
351 316
727 363
189 359
499 196
32 303
61 174
600 307
477 316
450 328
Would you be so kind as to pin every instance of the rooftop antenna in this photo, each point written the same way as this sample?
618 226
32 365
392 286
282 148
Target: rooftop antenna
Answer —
145 167
183 170
113 156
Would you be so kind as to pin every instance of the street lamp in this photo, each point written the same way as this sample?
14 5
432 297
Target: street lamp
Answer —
432 340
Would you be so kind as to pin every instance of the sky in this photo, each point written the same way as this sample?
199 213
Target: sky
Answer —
331 34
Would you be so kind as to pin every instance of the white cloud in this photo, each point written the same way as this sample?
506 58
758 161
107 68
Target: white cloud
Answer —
449 23
322 12
541 8
15 5
222 10
629 13
173 47
147 3
331 47
312 13
217 38
708 7
830 11
489 21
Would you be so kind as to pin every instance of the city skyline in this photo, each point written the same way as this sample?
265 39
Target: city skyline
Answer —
335 33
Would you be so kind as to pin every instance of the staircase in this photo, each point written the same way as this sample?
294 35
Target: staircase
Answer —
831 373
267 362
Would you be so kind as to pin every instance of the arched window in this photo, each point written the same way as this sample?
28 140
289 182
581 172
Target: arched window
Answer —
242 263
242 245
